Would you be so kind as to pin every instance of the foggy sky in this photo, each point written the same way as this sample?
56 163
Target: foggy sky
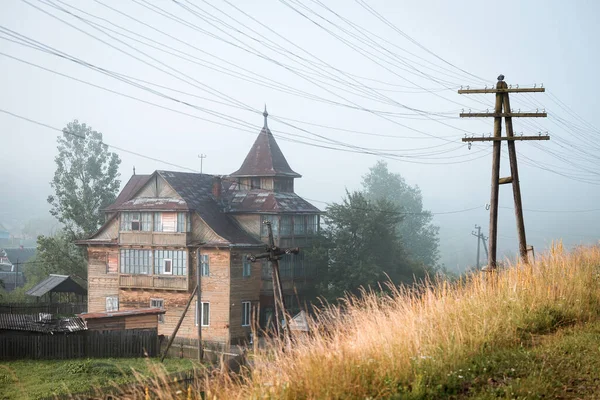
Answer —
549 42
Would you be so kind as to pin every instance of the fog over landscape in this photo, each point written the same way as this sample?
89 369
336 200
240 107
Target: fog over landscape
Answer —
337 103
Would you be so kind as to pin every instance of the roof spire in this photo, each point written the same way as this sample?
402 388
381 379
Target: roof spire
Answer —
265 114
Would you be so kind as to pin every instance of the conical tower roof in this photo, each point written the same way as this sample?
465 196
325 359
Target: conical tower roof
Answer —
265 157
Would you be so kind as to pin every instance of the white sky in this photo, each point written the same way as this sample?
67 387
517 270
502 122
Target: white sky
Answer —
549 42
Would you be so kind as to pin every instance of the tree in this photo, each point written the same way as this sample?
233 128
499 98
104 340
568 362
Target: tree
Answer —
85 180
363 247
418 233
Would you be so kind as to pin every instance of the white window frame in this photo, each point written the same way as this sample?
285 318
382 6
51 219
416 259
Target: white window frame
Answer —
246 313
201 311
138 220
161 317
246 266
170 261
110 303
204 257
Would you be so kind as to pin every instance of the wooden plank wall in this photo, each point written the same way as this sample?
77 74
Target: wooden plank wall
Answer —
98 344
101 283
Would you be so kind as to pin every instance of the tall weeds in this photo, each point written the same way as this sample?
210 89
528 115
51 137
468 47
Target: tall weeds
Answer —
378 346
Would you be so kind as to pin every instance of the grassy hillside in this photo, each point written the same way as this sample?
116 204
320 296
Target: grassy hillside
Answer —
30 379
438 343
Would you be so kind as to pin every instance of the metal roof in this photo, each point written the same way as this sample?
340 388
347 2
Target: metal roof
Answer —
20 254
132 186
265 157
122 313
56 284
196 191
43 323
269 202
153 204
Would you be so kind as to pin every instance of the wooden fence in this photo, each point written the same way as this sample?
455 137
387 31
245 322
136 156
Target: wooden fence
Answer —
35 308
97 344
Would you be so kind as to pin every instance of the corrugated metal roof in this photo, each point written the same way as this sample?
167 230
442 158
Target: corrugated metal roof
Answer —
43 323
57 284
264 201
20 254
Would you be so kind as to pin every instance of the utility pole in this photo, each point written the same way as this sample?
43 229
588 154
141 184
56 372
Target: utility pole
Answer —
201 157
273 254
482 238
503 110
478 241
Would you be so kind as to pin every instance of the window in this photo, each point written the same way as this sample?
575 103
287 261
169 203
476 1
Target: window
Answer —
205 314
267 271
136 221
286 225
264 231
167 266
246 310
255 183
284 185
246 266
158 303
312 224
204 265
299 227
157 222
135 261
180 222
112 303
170 262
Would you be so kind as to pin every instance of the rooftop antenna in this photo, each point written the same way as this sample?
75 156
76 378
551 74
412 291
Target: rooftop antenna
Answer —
201 157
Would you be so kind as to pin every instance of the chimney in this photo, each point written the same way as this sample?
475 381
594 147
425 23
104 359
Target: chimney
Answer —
216 187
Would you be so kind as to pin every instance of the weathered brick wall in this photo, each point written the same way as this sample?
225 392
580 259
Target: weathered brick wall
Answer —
243 289
100 283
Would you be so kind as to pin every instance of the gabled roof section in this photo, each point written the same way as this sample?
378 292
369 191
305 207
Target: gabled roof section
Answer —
196 191
265 157
265 201
56 284
134 184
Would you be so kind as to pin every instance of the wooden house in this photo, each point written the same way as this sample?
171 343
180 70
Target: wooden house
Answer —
167 227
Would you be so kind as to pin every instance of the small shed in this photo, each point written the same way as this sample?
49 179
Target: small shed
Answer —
140 318
59 286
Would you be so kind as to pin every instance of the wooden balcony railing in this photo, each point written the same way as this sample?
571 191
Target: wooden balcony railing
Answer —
153 282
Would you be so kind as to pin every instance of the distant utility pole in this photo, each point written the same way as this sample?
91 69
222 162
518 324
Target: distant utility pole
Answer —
481 238
503 110
273 255
201 157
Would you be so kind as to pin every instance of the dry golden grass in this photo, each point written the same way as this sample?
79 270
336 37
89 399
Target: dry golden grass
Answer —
380 346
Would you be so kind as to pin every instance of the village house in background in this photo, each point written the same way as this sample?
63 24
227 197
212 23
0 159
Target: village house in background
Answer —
166 227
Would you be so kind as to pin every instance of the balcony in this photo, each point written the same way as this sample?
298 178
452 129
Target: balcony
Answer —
153 238
153 282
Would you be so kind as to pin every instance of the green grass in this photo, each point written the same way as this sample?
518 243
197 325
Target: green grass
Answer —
560 365
29 379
